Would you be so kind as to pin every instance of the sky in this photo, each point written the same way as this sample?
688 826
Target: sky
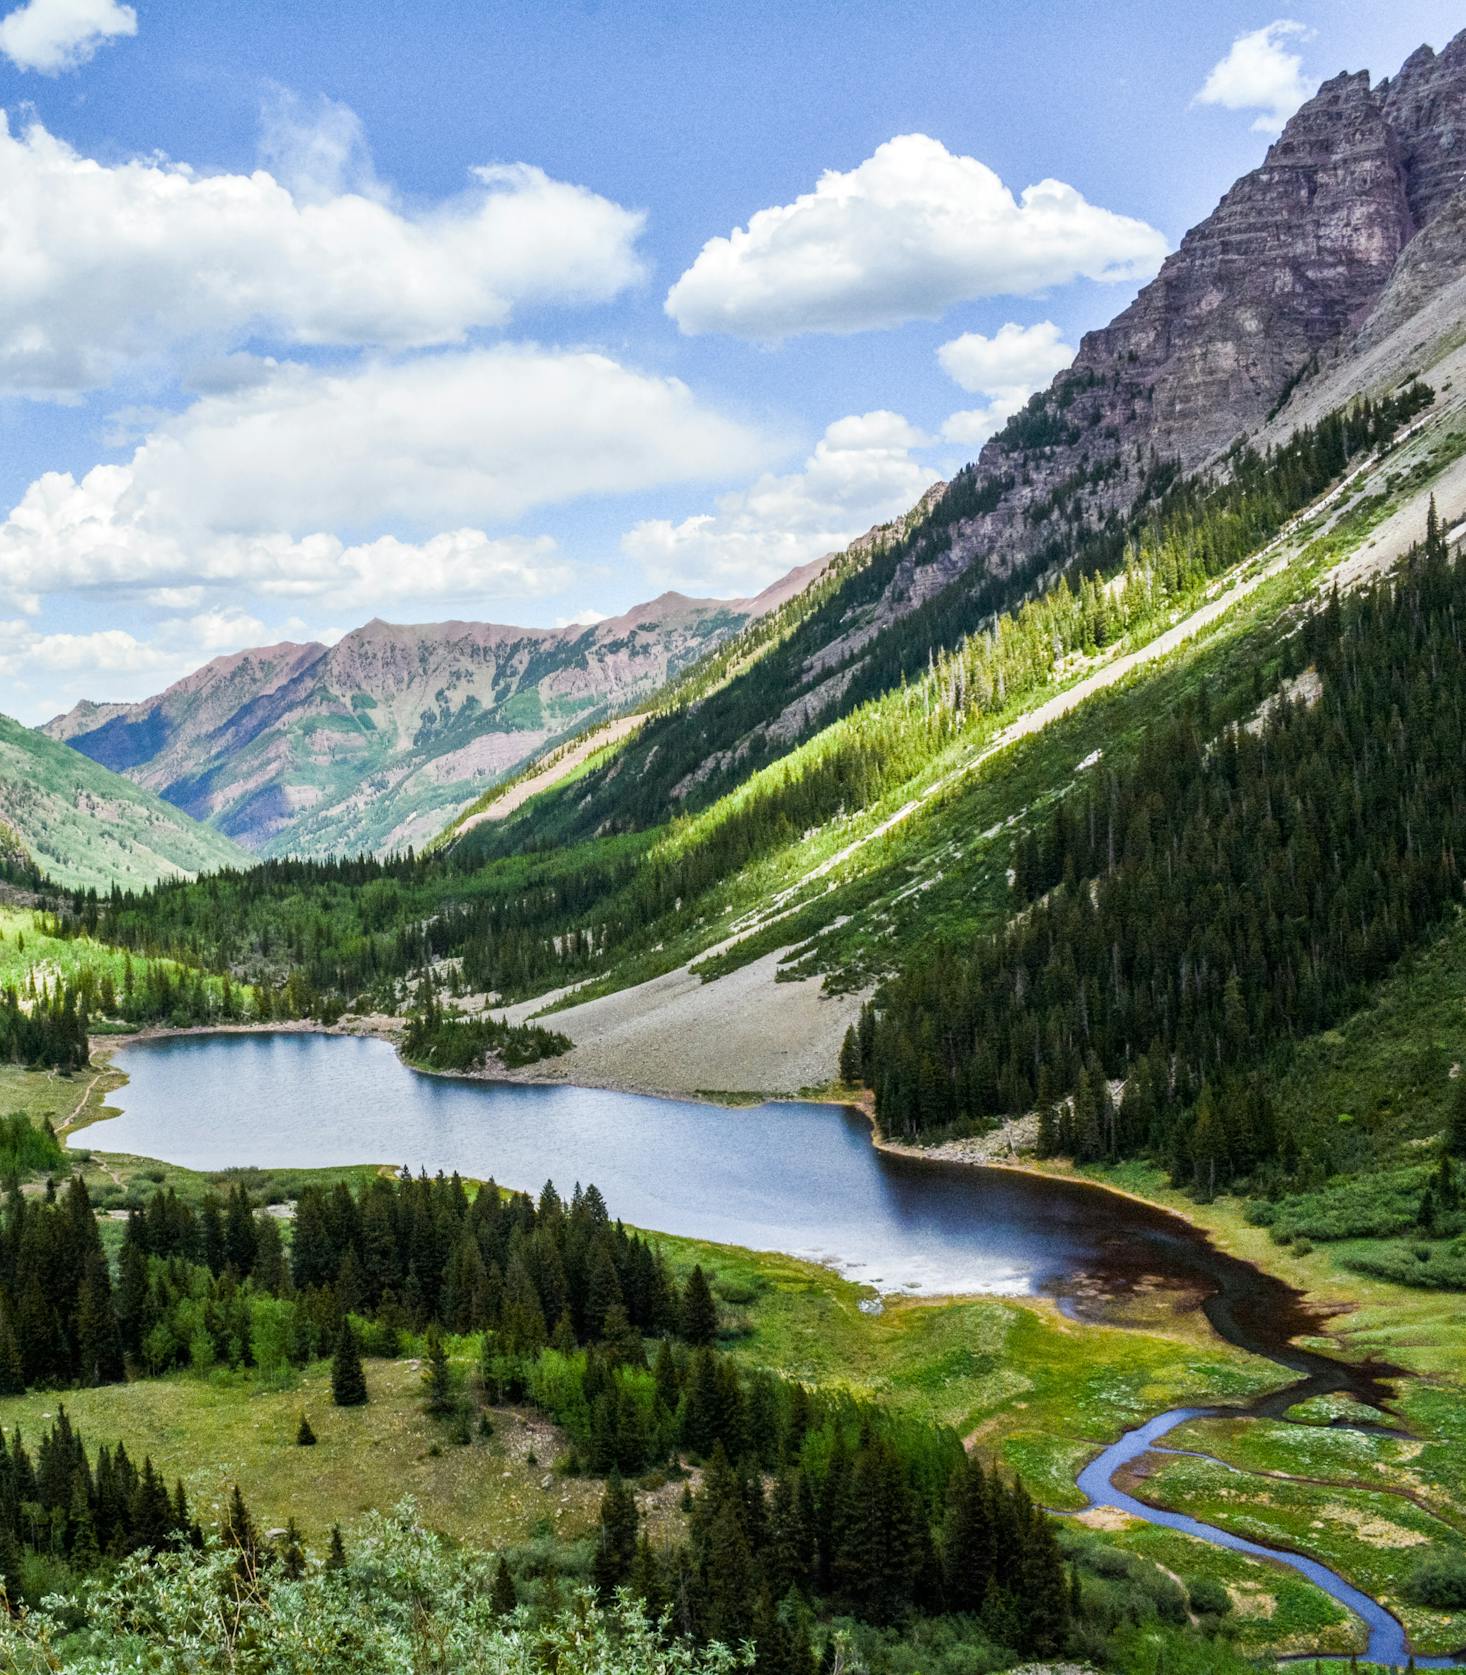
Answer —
526 313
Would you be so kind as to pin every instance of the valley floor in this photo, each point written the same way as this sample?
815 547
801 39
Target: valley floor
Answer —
1021 1382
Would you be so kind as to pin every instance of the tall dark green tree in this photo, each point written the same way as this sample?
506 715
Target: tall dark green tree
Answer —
348 1380
616 1535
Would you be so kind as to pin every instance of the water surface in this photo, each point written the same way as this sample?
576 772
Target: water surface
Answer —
799 1178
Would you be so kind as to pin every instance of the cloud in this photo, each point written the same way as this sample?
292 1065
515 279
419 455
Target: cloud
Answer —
861 473
1007 368
906 235
369 487
55 35
109 266
1261 73
316 151
43 669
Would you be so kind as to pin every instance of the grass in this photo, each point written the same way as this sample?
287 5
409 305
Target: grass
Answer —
1274 1611
1026 1385
1372 1538
221 1429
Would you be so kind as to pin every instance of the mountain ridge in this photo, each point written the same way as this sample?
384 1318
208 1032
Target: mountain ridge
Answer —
282 746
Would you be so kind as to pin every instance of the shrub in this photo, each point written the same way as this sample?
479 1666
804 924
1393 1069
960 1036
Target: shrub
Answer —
1207 1596
1439 1582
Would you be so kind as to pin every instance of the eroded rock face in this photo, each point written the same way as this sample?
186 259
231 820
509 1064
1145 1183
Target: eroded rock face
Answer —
1292 257
1277 280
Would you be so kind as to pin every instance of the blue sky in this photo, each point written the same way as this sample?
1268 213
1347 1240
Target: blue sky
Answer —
273 359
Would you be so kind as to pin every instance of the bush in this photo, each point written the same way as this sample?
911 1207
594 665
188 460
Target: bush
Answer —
1207 1596
1439 1582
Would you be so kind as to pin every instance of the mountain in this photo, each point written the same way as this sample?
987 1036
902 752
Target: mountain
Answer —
87 827
1307 280
373 742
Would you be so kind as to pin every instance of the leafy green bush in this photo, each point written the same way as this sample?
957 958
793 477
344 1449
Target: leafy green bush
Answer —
1439 1582
1207 1596
28 1148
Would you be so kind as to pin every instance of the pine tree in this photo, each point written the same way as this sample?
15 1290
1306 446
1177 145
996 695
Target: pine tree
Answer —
616 1537
305 1437
504 1595
336 1555
437 1377
239 1532
851 1070
1456 1127
348 1381
699 1310
12 1372
292 1554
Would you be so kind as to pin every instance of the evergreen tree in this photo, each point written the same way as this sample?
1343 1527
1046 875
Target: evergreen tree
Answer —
437 1376
305 1437
348 1381
505 1596
699 1310
1455 1142
336 1553
616 1536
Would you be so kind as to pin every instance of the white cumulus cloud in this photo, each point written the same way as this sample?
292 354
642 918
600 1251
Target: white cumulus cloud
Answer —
907 234
862 472
55 35
1261 72
1006 368
364 488
103 266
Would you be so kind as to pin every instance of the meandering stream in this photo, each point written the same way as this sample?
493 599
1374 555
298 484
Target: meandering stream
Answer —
798 1178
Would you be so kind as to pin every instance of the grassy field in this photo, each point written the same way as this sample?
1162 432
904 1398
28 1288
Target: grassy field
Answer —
221 1429
1028 1388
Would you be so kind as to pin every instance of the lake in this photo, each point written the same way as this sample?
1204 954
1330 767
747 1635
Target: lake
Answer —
799 1178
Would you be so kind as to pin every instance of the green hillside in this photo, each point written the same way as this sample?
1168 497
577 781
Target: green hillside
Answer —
87 828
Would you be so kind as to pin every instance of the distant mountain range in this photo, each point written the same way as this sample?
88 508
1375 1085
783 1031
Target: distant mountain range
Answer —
375 742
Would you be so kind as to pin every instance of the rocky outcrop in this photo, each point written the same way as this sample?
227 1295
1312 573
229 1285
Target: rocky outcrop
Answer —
1357 197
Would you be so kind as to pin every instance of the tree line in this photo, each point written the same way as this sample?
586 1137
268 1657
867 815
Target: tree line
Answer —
1182 916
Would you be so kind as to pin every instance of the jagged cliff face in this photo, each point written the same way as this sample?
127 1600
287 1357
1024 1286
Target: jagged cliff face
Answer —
1359 200
372 743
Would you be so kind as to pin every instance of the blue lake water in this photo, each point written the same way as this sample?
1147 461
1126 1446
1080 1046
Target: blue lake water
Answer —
798 1178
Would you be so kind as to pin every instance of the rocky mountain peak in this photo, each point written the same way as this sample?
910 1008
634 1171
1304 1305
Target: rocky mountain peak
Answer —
1424 106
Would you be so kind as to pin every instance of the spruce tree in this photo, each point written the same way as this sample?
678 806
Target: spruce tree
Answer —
504 1596
348 1381
699 1310
437 1377
305 1437
1456 1127
239 1532
292 1554
12 1372
616 1537
336 1554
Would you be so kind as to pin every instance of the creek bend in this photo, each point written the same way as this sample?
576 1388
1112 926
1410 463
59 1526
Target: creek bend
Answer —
798 1178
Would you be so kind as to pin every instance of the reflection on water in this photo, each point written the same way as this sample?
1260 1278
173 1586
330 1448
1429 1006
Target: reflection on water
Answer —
798 1178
